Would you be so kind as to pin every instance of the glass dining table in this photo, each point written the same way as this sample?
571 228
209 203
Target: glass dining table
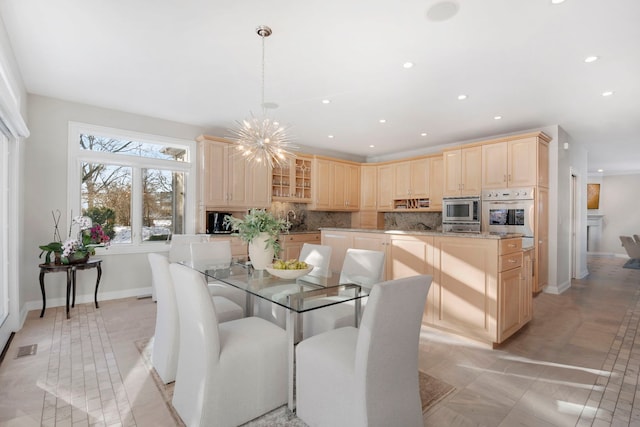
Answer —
297 296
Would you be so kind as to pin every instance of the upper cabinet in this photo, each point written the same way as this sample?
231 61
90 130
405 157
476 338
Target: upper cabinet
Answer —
335 185
225 180
436 186
368 187
463 171
411 179
515 163
292 182
385 187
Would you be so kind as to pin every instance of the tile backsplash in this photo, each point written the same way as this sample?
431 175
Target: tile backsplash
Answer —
306 220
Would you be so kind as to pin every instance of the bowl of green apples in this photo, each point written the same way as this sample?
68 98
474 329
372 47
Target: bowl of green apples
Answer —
291 269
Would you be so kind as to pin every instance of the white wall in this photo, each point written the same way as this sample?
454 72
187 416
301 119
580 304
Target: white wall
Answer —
570 161
45 189
620 204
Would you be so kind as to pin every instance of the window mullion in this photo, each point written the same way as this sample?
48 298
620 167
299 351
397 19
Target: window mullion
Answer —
136 206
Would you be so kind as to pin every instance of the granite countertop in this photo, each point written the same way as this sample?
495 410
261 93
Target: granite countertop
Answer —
484 235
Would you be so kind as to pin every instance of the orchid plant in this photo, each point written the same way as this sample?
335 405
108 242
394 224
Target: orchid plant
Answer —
89 237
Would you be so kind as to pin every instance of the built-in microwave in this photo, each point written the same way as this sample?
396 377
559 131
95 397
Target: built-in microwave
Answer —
461 214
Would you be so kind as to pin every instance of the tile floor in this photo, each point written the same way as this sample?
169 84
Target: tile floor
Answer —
575 364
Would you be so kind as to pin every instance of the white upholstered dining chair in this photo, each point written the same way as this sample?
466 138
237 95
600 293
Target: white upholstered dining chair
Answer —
228 373
317 255
165 353
218 252
361 267
367 376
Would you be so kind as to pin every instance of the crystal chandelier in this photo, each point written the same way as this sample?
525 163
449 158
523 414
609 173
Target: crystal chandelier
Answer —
261 139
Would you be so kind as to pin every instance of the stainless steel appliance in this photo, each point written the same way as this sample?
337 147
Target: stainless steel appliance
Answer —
215 223
461 214
509 210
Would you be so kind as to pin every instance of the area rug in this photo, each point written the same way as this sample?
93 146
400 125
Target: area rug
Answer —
632 263
432 391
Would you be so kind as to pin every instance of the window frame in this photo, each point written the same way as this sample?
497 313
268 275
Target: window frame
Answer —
76 157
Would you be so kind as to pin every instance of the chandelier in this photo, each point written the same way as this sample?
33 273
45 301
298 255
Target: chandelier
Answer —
261 139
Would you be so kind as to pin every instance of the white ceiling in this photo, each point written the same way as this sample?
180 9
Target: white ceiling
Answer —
199 62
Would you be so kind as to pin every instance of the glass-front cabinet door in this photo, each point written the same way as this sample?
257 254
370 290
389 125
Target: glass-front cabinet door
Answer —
292 182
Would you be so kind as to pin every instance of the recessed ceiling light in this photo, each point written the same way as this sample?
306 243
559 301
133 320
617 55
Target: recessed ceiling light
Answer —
600 170
497 117
326 101
607 93
330 136
592 58
372 146
408 65
383 121
423 134
442 11
557 1
462 97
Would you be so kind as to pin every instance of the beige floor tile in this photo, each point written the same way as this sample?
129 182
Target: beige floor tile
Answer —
575 364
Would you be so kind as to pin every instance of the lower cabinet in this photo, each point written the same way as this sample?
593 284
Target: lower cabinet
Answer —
291 244
481 287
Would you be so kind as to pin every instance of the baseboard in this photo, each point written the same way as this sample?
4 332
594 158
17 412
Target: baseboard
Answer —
584 273
85 298
557 289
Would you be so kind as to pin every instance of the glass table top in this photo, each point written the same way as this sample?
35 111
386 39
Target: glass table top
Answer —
300 295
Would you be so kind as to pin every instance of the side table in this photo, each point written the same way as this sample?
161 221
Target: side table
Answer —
70 270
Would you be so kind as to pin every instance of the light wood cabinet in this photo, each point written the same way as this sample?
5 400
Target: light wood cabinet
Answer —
478 290
411 179
478 287
436 185
291 244
463 171
321 190
292 182
513 294
225 180
527 283
368 187
385 187
335 185
513 163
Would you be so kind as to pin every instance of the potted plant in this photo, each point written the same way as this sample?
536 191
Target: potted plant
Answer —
260 229
76 250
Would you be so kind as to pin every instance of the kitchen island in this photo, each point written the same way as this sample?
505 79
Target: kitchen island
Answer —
480 289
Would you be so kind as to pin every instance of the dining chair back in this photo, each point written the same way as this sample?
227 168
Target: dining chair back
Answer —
375 367
164 355
165 352
218 253
317 255
180 246
362 267
228 373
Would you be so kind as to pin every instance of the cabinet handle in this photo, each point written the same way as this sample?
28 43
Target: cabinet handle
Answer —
504 178
512 261
509 177
511 245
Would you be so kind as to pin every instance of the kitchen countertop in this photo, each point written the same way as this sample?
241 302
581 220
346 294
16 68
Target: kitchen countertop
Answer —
430 233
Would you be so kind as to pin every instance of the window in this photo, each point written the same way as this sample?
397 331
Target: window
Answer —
139 187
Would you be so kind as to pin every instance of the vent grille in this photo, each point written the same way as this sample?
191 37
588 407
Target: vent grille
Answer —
27 350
